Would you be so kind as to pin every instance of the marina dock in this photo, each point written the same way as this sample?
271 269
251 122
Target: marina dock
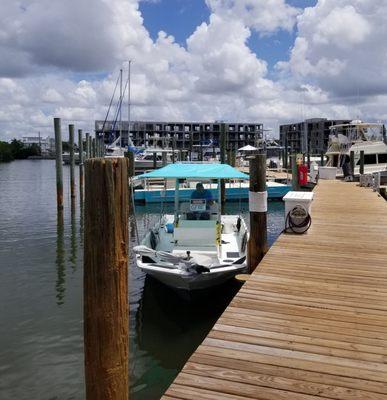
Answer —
311 322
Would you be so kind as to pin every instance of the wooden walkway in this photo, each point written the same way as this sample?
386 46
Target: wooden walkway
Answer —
311 323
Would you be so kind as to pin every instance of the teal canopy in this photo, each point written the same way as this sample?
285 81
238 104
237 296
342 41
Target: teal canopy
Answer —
199 171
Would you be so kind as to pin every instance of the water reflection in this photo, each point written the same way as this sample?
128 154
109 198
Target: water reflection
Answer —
168 328
73 238
60 260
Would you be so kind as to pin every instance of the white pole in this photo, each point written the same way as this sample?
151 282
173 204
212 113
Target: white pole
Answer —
176 200
130 61
120 104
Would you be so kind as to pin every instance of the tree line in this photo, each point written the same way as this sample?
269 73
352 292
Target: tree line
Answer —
17 150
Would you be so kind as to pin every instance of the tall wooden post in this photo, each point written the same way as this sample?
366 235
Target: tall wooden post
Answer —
72 161
93 147
164 158
154 160
87 143
352 162
222 161
58 164
130 156
106 308
293 158
361 170
257 245
80 149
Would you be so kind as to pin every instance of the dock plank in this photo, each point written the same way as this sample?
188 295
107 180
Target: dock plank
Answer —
311 321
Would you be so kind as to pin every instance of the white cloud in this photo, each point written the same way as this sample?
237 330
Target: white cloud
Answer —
45 43
264 16
340 47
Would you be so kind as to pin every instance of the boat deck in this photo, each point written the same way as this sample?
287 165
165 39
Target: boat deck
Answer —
311 322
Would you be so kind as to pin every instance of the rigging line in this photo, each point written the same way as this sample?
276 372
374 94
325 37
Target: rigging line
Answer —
110 104
118 109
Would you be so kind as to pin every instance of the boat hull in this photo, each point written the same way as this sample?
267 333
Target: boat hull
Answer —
193 282
232 194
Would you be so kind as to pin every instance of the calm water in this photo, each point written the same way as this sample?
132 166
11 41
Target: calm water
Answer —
41 342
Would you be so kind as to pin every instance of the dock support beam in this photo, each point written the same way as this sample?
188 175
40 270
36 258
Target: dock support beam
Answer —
293 158
80 149
106 310
87 143
58 164
257 245
352 162
72 161
222 161
361 170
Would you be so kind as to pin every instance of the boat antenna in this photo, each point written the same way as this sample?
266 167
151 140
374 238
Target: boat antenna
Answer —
120 109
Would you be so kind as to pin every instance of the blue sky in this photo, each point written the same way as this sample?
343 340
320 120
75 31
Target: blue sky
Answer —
180 18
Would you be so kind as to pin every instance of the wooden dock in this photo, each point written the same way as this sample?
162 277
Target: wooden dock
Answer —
311 322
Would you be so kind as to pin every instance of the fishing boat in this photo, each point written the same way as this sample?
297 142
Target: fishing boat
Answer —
197 247
355 137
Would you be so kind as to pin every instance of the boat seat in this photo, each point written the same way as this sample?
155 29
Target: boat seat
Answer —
185 211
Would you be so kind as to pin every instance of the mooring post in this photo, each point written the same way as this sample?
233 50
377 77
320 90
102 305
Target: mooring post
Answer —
257 245
352 162
164 158
58 163
293 158
80 150
361 170
130 157
87 144
93 148
154 160
222 161
105 280
72 161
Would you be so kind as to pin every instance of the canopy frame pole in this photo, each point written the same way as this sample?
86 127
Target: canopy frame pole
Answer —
219 200
176 200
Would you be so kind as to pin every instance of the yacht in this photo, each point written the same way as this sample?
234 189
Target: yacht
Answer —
355 137
196 247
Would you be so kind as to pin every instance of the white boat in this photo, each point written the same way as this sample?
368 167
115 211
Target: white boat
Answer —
196 247
357 136
145 160
114 149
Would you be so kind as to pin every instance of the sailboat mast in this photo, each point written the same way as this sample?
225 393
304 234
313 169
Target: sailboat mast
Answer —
130 62
120 109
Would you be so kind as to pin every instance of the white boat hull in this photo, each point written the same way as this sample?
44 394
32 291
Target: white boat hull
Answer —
194 282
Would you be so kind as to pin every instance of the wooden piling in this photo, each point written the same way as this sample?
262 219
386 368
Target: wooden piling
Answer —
257 245
130 157
58 164
361 169
72 161
80 149
87 143
352 162
106 308
154 160
223 161
164 158
93 154
295 185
